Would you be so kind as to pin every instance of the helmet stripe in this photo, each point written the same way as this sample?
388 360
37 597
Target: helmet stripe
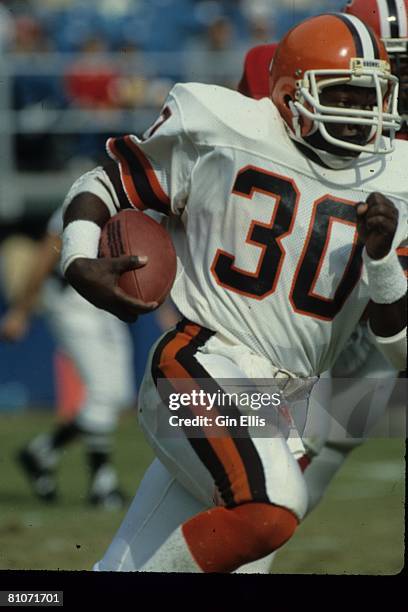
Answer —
356 38
393 18
374 43
365 42
385 24
402 18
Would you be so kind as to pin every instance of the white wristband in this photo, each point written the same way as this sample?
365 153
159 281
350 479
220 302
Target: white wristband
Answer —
79 239
386 279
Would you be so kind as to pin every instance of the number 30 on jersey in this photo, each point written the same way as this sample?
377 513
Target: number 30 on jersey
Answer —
263 282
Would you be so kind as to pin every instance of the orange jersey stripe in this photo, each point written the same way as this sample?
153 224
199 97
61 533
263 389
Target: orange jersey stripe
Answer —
149 171
224 447
125 175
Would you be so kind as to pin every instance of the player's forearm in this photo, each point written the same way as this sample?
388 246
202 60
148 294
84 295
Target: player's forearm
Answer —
388 307
388 292
84 218
90 202
388 328
96 279
388 319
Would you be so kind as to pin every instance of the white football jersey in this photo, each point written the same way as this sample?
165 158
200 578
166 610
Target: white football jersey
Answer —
266 239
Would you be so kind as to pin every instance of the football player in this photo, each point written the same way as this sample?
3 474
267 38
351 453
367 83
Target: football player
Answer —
389 20
255 192
99 345
160 497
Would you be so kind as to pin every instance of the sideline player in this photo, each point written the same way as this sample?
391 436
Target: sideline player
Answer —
235 144
99 345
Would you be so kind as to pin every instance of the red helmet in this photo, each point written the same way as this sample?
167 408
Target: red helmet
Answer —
327 50
255 78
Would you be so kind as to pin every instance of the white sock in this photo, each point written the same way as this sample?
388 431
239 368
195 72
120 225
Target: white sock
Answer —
173 556
160 505
43 451
104 481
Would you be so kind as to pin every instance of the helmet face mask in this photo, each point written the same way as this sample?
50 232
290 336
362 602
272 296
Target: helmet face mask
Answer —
328 51
382 115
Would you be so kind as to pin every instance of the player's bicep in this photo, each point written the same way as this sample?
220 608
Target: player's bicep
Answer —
92 189
86 206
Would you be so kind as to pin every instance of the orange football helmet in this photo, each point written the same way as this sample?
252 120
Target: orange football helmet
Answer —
327 50
389 20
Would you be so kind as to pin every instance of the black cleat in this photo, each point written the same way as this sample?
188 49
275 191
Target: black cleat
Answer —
41 479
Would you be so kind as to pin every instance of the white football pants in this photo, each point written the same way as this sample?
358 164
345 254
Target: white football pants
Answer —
100 346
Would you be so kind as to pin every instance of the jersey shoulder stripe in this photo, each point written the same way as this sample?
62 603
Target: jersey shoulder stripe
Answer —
138 179
112 170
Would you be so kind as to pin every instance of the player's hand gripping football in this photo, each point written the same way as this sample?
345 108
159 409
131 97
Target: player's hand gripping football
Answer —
377 220
97 281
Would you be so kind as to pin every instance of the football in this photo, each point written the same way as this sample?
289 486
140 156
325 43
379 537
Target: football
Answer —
131 232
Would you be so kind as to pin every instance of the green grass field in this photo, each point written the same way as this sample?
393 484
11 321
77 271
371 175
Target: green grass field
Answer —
357 529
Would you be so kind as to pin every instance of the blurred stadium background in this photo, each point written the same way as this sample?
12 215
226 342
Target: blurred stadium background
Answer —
71 74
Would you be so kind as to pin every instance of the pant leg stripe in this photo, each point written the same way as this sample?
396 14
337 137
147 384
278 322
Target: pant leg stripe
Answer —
165 367
174 358
247 452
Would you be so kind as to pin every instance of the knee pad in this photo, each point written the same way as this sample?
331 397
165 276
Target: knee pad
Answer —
269 527
221 539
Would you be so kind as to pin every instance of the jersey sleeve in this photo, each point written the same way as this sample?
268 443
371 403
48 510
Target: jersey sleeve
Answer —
98 183
154 171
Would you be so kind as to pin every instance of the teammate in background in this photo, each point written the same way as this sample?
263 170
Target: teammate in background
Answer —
389 20
254 81
264 301
99 345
